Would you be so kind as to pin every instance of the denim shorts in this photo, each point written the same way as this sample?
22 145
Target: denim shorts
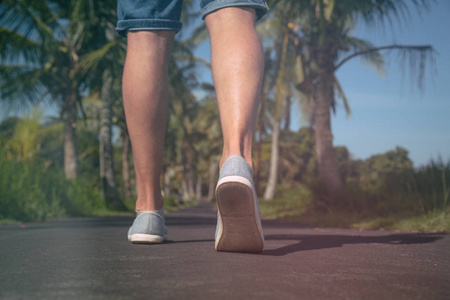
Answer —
138 15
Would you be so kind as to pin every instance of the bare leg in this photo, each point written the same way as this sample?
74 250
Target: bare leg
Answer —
145 102
237 64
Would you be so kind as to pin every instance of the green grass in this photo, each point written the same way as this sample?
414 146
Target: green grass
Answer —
168 206
296 205
9 221
293 201
30 192
171 203
433 222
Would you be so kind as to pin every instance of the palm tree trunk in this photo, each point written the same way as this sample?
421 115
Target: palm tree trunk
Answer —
189 172
287 113
198 188
167 175
269 193
259 147
126 164
328 168
213 168
70 150
185 188
260 121
190 181
106 152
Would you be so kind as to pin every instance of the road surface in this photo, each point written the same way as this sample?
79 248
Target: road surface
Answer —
90 258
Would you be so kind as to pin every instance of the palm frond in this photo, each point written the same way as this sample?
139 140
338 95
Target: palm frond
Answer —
91 60
21 82
15 47
413 58
33 19
374 58
374 13
341 94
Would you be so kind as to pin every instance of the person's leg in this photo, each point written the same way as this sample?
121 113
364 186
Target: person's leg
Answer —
145 103
237 65
149 27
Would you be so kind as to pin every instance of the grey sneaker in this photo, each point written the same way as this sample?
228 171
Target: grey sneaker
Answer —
148 228
238 220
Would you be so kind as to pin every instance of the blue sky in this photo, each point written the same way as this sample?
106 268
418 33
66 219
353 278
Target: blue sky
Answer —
390 110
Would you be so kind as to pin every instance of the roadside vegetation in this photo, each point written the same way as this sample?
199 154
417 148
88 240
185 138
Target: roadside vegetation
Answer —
394 196
64 56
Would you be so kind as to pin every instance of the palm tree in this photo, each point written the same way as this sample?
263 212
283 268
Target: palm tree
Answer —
180 143
322 32
103 67
40 50
25 141
209 141
185 132
119 113
279 81
279 100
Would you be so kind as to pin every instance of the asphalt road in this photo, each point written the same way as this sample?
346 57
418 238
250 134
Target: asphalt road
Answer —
90 258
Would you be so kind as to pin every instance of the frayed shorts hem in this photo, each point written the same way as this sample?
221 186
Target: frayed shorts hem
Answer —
146 24
261 9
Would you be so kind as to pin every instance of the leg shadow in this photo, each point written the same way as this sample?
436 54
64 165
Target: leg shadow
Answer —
317 242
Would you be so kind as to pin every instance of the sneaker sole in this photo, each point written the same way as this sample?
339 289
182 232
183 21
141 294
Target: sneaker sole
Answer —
140 238
239 225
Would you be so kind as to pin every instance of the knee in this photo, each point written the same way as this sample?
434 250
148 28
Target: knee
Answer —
231 16
148 41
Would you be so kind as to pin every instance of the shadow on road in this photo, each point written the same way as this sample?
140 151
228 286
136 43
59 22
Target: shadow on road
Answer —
188 241
316 242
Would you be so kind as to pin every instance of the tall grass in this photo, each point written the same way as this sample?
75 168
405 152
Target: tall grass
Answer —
407 199
414 191
30 192
426 189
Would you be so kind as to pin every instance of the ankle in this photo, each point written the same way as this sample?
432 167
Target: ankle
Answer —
149 203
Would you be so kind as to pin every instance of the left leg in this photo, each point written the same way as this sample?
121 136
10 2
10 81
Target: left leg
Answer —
237 64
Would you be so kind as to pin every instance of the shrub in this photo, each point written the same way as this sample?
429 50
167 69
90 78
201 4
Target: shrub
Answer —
30 192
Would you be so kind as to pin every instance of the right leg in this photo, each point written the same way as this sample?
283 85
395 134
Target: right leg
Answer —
145 103
150 27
